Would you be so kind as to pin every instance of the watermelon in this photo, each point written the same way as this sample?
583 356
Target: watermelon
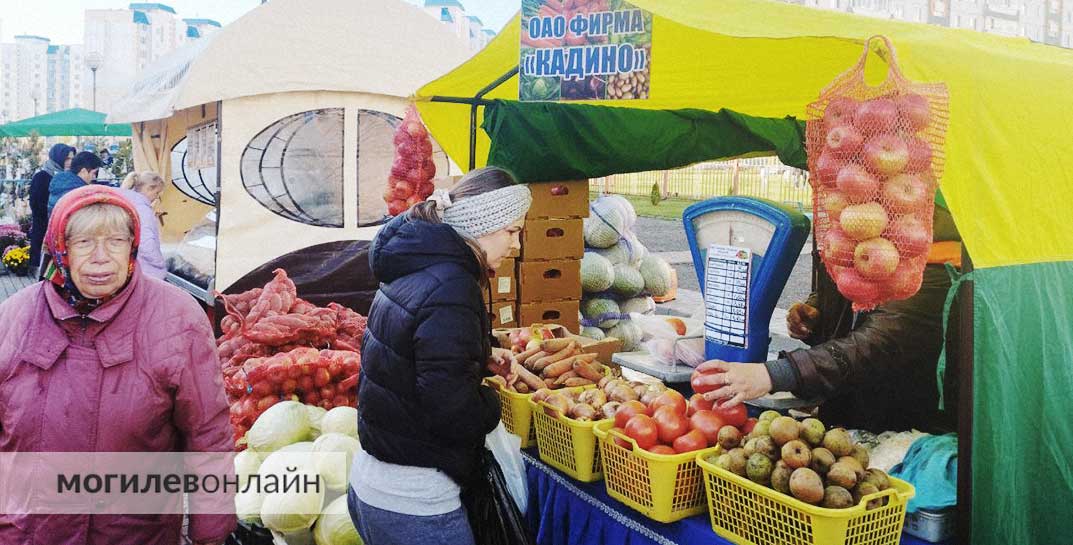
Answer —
640 305
594 333
657 275
630 334
597 273
593 308
628 281
604 230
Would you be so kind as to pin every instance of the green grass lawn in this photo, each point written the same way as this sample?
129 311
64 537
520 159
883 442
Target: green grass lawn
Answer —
670 209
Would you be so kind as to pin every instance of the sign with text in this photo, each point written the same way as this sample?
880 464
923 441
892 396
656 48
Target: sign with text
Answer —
584 50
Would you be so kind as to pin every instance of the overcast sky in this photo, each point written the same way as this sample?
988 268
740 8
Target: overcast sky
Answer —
61 20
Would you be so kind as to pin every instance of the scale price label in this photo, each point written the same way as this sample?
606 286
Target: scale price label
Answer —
727 279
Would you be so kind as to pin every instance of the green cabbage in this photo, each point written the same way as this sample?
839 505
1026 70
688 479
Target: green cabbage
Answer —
282 424
342 420
334 475
334 526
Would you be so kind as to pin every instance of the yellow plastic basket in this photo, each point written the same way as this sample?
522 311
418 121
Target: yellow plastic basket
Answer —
747 513
664 488
516 414
566 444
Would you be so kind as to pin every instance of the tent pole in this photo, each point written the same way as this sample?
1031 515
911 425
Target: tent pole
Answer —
475 102
965 403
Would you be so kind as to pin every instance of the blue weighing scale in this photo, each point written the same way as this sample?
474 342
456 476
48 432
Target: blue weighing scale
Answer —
743 250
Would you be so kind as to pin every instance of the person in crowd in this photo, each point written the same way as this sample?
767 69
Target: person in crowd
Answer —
83 171
424 414
101 358
142 189
59 159
875 370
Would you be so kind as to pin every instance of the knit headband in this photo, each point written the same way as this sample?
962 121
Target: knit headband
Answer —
486 213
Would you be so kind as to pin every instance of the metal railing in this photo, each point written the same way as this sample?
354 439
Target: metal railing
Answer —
763 177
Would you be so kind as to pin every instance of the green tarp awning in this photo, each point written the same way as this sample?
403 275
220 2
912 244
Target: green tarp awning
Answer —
73 122
544 141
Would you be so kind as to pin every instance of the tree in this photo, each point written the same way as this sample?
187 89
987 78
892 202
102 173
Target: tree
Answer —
124 159
32 152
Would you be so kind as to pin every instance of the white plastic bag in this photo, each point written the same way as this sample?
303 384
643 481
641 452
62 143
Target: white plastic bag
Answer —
507 447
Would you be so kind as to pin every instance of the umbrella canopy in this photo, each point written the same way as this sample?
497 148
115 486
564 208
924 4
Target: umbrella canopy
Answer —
73 122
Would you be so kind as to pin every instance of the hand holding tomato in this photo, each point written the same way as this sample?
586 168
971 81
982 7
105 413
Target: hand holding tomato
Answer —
740 382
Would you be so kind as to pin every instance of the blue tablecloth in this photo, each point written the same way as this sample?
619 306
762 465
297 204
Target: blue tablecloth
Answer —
563 511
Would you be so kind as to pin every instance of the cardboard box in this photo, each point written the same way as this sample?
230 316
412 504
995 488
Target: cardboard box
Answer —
564 313
604 349
553 239
559 200
504 285
504 314
541 281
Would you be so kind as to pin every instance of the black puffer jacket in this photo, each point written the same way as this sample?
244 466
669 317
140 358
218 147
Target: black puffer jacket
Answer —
424 352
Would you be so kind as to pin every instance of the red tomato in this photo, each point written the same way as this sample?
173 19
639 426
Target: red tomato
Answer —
342 389
340 401
671 398
327 393
289 386
262 388
707 423
747 428
698 403
663 449
735 416
619 441
276 374
627 410
642 429
689 442
265 402
305 384
321 378
706 378
671 423
294 371
336 368
311 398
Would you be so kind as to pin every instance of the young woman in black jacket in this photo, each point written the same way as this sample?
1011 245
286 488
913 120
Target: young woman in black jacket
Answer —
59 159
424 414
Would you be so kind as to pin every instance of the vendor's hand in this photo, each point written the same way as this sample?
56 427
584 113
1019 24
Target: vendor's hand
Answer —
501 361
741 382
801 319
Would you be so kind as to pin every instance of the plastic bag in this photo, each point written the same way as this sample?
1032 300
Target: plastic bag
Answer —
662 341
875 162
492 514
506 447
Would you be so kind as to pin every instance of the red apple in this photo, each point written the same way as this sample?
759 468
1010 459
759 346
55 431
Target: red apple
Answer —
914 112
844 140
827 167
864 221
415 129
875 259
834 202
396 207
857 184
839 112
425 189
910 235
886 154
876 116
403 190
858 289
906 280
906 193
838 248
919 155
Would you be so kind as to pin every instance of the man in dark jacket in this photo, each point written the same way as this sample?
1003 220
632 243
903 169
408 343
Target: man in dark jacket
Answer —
876 369
430 294
59 159
83 171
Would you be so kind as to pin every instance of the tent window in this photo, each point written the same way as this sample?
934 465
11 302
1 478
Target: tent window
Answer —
376 151
198 184
294 167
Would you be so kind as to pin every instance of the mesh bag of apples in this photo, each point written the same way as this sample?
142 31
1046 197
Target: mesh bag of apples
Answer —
875 161
412 172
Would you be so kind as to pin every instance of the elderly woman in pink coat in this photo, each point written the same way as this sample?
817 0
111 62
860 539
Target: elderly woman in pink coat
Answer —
101 358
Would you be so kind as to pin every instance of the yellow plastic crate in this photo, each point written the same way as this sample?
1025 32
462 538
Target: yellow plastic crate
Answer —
664 488
516 414
747 513
566 444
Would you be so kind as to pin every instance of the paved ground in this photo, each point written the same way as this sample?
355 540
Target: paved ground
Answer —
9 284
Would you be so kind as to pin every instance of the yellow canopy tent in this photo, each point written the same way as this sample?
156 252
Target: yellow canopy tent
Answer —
1008 183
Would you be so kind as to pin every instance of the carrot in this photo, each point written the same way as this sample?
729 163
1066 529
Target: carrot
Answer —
554 345
577 381
558 368
587 370
530 362
556 357
522 356
565 377
529 379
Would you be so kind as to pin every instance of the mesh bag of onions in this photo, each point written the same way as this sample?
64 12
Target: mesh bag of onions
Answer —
413 169
875 161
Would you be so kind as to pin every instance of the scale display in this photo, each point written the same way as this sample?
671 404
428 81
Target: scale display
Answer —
743 251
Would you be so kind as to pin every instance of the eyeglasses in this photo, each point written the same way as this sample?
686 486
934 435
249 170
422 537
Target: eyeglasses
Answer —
86 245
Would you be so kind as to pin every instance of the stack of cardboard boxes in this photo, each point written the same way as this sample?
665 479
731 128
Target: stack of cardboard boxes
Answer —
547 274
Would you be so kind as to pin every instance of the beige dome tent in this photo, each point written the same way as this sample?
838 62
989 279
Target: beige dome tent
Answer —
280 125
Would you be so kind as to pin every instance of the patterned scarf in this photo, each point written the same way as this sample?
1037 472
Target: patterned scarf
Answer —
59 272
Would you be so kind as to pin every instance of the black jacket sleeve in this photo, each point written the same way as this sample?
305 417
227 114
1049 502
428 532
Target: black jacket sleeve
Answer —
449 354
